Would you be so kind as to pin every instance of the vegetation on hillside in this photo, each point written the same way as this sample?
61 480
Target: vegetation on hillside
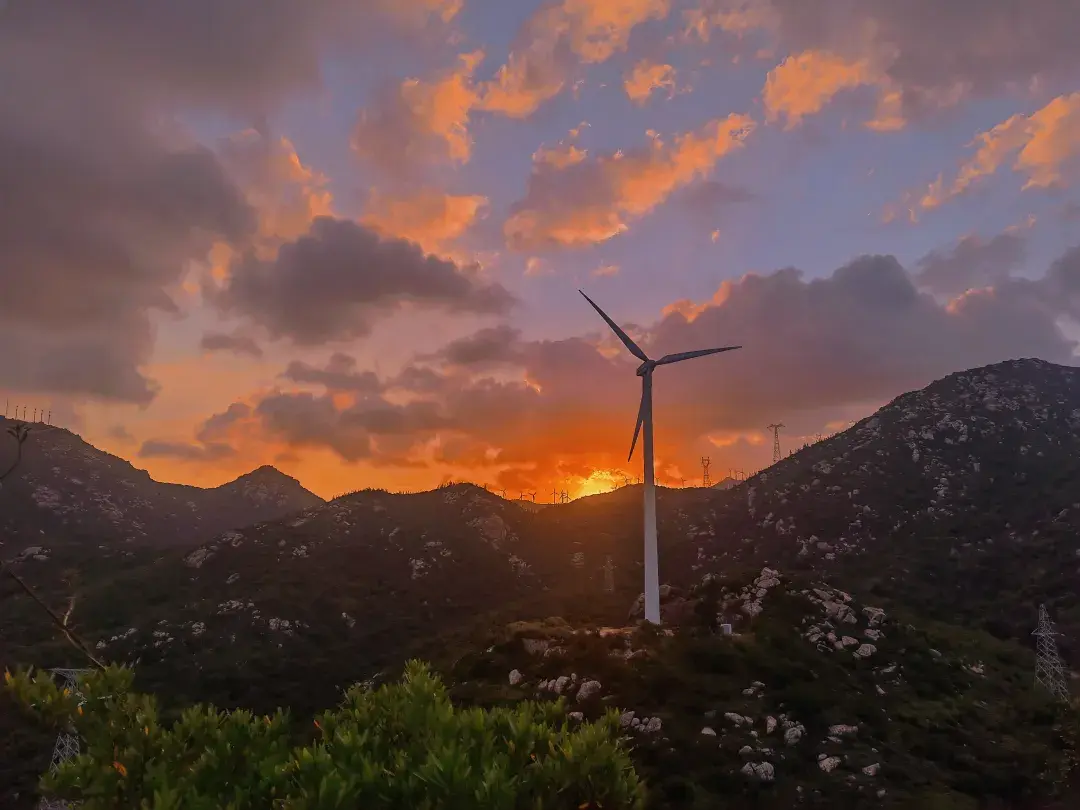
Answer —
935 716
401 746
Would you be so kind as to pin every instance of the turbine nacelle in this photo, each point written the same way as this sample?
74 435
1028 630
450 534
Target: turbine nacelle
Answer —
645 368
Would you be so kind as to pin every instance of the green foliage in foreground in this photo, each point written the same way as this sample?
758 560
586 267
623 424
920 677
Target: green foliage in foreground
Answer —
402 745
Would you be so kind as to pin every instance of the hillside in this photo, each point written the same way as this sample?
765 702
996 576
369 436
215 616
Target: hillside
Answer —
68 493
962 498
815 700
956 502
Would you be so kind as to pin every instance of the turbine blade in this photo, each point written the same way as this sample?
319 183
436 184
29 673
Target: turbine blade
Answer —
675 358
637 427
625 338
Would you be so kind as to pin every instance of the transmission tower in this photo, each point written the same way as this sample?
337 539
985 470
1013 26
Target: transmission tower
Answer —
564 497
609 575
705 462
775 428
67 742
1049 673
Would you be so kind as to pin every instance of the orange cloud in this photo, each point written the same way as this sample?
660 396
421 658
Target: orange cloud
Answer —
560 156
594 200
421 122
647 76
739 20
428 217
802 84
606 270
556 37
285 194
1044 146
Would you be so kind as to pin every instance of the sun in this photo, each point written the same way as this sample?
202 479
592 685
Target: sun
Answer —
599 481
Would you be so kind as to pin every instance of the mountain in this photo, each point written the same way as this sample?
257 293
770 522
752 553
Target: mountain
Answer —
962 499
67 493
960 502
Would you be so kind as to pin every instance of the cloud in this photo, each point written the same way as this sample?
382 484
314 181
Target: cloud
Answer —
222 342
339 374
431 218
647 76
972 263
802 84
107 200
596 199
334 281
185 451
554 40
420 122
521 412
929 54
1044 146
285 193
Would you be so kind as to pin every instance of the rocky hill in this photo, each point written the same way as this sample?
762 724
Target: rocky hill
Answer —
807 698
962 498
67 493
959 502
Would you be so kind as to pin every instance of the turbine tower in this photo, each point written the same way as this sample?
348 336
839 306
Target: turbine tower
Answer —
645 371
775 428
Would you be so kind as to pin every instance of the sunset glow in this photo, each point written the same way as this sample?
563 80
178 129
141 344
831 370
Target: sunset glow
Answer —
348 242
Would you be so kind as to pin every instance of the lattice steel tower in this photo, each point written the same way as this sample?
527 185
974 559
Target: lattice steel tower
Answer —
609 575
705 462
775 428
67 742
1049 673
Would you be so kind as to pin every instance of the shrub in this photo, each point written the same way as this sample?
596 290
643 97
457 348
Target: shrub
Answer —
402 745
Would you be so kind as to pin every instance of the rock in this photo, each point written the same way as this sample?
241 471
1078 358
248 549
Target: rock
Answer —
872 770
793 735
865 651
534 646
874 615
708 732
762 771
841 728
626 719
577 717
770 725
560 684
828 764
587 690
746 750
653 726
516 677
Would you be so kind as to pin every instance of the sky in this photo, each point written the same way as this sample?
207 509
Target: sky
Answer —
346 237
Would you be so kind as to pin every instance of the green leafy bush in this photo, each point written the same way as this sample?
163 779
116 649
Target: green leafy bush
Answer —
403 745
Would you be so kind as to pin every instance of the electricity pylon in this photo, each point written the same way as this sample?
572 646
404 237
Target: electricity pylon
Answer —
775 428
67 742
1049 673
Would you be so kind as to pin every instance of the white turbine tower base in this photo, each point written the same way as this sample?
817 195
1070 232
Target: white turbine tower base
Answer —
644 420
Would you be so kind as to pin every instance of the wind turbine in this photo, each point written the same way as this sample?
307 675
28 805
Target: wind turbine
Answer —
645 371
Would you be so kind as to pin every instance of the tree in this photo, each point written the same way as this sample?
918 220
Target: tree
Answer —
401 746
